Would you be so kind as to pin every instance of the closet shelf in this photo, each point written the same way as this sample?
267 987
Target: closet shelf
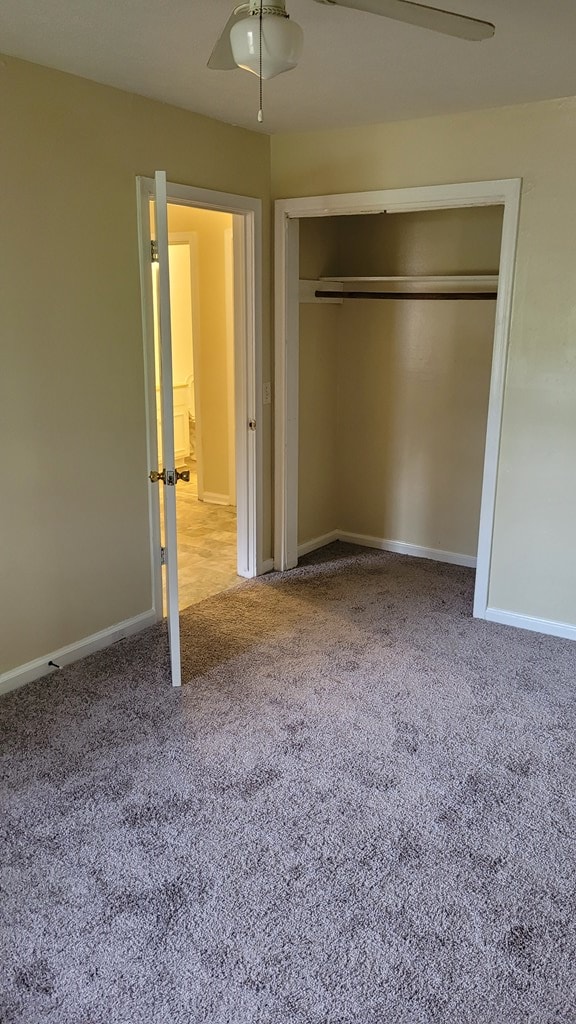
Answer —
448 279
446 286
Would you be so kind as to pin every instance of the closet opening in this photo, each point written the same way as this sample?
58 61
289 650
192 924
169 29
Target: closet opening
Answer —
391 345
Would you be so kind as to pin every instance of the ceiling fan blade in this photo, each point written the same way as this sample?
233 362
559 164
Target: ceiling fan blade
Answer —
425 17
221 58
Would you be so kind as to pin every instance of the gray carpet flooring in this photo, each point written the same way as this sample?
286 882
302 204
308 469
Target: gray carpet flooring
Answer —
359 810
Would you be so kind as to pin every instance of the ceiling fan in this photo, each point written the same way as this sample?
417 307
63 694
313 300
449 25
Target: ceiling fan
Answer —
260 37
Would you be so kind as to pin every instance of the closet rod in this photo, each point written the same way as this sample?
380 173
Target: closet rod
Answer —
404 295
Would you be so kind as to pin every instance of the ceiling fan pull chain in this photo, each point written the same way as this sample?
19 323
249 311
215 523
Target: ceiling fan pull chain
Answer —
260 112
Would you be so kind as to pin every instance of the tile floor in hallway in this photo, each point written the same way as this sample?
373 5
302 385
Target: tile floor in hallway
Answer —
206 544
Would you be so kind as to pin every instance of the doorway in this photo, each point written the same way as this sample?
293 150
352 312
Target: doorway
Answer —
290 291
201 264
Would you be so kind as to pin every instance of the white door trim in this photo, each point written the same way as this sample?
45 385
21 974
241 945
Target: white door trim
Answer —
506 193
247 213
167 424
230 260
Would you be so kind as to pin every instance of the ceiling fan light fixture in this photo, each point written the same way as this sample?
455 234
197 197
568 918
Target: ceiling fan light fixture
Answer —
282 43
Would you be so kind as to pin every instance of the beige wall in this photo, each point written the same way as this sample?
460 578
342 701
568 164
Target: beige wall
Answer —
460 241
73 511
318 468
534 555
210 228
412 407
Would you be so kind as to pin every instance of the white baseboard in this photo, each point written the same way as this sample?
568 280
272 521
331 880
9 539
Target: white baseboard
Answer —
547 626
398 546
318 542
266 566
212 498
403 548
23 674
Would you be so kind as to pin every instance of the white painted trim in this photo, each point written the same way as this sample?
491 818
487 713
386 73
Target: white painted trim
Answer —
230 260
446 282
401 547
562 629
317 542
213 498
508 247
286 389
23 674
400 200
505 192
380 544
267 566
308 289
248 387
167 425
144 243
338 286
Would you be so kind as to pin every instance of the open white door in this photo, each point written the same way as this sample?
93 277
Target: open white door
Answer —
248 389
166 475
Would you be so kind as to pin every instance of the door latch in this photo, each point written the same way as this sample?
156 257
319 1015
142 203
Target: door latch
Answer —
251 424
170 477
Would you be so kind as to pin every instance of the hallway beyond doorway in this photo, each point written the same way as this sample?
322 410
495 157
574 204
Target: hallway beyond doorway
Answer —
207 540
206 544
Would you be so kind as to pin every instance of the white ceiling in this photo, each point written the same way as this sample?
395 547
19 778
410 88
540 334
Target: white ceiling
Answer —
357 68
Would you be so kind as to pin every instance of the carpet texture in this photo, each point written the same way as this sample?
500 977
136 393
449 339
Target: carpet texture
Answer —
360 810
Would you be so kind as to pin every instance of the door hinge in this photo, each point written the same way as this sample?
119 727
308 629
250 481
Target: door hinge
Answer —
170 479
154 251
162 556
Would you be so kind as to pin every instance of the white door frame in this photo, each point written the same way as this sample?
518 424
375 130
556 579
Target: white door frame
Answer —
504 192
230 260
247 213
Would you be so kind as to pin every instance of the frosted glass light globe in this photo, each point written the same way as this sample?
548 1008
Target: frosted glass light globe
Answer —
282 42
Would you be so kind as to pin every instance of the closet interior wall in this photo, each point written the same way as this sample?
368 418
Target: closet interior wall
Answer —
394 394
